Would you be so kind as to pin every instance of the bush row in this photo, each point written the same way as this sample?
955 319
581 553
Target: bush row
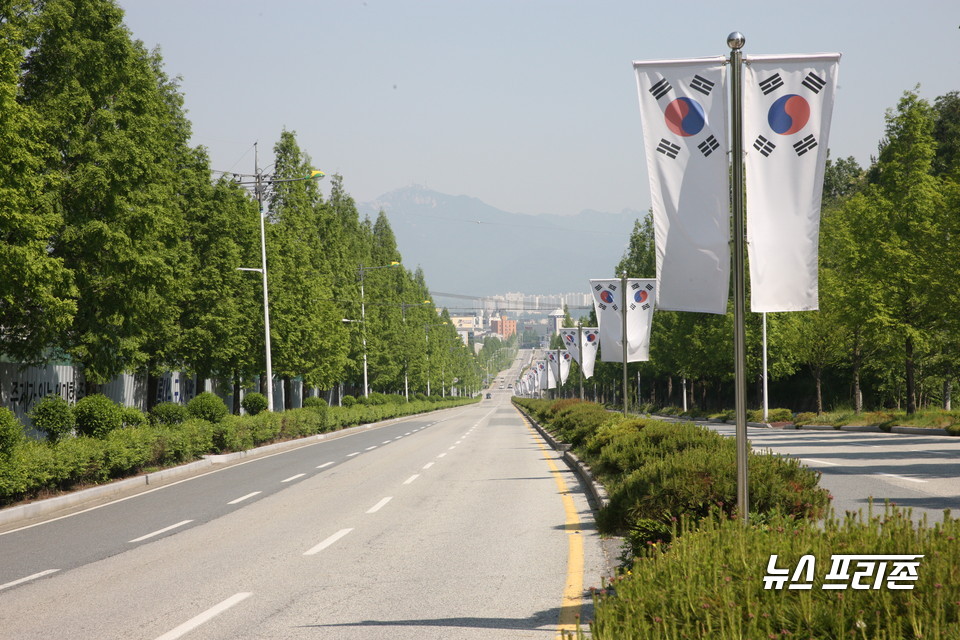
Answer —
656 473
30 468
710 583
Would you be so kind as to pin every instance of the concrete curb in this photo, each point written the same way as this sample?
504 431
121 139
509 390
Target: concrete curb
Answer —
596 492
129 486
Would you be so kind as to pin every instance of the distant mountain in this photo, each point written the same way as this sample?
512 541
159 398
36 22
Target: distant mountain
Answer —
467 246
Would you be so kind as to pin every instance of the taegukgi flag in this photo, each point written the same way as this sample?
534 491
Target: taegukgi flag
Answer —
608 300
559 364
585 356
683 107
787 106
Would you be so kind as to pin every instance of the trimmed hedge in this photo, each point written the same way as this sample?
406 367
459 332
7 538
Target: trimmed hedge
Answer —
28 468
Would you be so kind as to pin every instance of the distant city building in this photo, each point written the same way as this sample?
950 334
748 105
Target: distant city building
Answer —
556 320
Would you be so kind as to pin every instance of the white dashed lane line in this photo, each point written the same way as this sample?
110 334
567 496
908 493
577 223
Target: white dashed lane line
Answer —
379 505
161 531
427 466
329 541
355 453
27 579
292 478
325 464
411 478
242 498
206 616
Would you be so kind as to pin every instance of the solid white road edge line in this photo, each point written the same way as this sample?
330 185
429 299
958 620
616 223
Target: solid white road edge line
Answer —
379 505
242 498
27 579
207 615
329 541
164 530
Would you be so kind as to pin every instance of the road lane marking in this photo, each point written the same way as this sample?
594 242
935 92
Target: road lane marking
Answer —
407 433
891 475
325 464
569 617
441 455
329 541
452 448
427 466
292 478
242 498
829 464
27 579
161 531
355 453
386 442
371 448
411 478
206 616
379 505
398 437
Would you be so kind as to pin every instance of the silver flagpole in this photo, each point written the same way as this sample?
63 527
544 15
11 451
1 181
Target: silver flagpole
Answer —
736 41
623 314
580 346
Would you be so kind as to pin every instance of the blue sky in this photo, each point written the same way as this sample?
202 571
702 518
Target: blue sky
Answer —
529 105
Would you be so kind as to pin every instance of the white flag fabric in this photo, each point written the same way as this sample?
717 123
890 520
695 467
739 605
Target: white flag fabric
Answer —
640 298
787 106
591 339
559 364
683 108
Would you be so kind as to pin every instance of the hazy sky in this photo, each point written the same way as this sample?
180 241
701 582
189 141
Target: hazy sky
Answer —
529 105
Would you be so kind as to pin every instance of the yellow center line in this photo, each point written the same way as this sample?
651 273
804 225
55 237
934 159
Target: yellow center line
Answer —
573 591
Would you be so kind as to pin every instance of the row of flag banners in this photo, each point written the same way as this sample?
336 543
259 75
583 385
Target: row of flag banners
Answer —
787 107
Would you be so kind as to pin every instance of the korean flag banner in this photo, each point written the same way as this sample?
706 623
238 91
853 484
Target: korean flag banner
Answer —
570 337
683 108
787 105
588 352
608 300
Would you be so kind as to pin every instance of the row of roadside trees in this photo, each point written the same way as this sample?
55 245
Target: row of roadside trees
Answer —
120 253
887 333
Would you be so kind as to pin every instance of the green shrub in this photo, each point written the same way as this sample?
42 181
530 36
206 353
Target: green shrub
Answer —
97 415
133 417
11 431
207 406
314 402
53 416
254 403
127 451
709 584
167 414
348 401
422 397
953 430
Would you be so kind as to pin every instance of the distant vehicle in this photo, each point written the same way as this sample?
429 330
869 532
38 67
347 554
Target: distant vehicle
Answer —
509 386
489 396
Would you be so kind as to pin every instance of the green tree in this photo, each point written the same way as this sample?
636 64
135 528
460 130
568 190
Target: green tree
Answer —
105 115
37 296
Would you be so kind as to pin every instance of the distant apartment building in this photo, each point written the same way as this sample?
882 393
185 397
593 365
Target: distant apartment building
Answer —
503 326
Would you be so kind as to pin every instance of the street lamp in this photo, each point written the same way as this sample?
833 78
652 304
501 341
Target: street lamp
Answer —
406 358
260 184
363 328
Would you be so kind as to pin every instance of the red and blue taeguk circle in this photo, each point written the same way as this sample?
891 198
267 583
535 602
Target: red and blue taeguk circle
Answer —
685 117
591 337
640 296
569 338
789 114
606 296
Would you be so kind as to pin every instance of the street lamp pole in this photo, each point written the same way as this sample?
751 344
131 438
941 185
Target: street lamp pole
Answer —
363 327
260 184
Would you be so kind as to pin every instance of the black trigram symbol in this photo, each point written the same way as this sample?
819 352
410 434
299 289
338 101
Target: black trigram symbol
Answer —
764 146
649 287
814 82
702 85
602 306
708 146
805 145
772 83
668 149
598 287
635 285
633 307
645 306
660 89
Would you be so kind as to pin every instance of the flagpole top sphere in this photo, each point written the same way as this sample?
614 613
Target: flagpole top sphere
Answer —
736 40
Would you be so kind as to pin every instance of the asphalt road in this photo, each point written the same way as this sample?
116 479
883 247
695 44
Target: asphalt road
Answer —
920 472
459 524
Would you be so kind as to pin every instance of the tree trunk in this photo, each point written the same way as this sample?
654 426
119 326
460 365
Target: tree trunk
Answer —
669 389
818 375
287 393
153 387
857 392
947 390
911 378
236 393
